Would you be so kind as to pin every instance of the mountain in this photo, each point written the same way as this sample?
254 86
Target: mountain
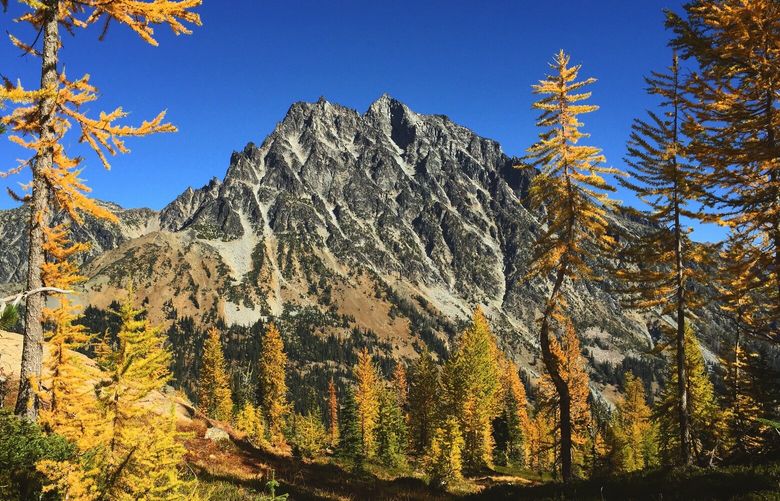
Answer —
399 222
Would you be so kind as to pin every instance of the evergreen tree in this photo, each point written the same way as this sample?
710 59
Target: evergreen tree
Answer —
571 187
736 123
367 391
443 460
471 383
272 386
333 413
665 260
308 436
350 439
706 419
391 430
423 399
633 436
214 397
40 123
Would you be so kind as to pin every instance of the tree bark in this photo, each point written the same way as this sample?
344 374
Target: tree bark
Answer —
32 350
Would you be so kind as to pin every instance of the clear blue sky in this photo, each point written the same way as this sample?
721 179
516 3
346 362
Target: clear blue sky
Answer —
234 78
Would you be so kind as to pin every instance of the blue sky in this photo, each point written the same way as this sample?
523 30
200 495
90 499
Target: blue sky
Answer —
233 79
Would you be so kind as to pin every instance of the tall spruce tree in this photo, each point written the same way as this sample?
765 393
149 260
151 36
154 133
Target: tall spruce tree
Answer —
663 263
41 121
571 186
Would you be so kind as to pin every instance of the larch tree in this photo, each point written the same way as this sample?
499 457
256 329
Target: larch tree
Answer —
401 385
570 185
515 415
663 263
736 131
632 433
249 420
423 397
272 385
214 396
367 392
706 423
471 390
42 117
443 461
333 413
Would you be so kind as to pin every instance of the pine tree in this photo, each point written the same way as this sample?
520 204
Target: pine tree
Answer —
665 260
443 460
273 385
706 419
333 413
471 383
736 125
350 439
572 188
633 436
40 122
423 398
391 430
367 392
214 396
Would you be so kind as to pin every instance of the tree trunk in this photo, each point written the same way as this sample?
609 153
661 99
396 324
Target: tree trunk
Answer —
561 386
32 350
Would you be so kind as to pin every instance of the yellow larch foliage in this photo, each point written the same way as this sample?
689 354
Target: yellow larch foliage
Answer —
214 396
515 408
736 121
633 435
443 461
273 385
471 385
368 384
249 420
572 189
39 120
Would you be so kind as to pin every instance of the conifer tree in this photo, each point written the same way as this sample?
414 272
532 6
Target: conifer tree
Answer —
273 385
665 260
249 420
214 396
568 358
633 436
571 186
443 460
706 419
736 125
391 429
401 385
367 392
471 386
515 415
308 436
423 398
541 440
42 119
350 438
333 413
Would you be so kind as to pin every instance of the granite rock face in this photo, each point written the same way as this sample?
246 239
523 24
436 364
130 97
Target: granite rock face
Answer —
424 207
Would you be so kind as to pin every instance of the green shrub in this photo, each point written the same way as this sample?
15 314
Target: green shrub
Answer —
22 444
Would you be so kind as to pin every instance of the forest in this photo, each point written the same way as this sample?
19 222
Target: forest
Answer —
96 412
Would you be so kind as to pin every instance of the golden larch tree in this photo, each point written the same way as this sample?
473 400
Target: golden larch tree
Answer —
664 263
333 413
272 385
515 410
471 390
368 385
570 185
632 434
214 396
40 121
734 89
